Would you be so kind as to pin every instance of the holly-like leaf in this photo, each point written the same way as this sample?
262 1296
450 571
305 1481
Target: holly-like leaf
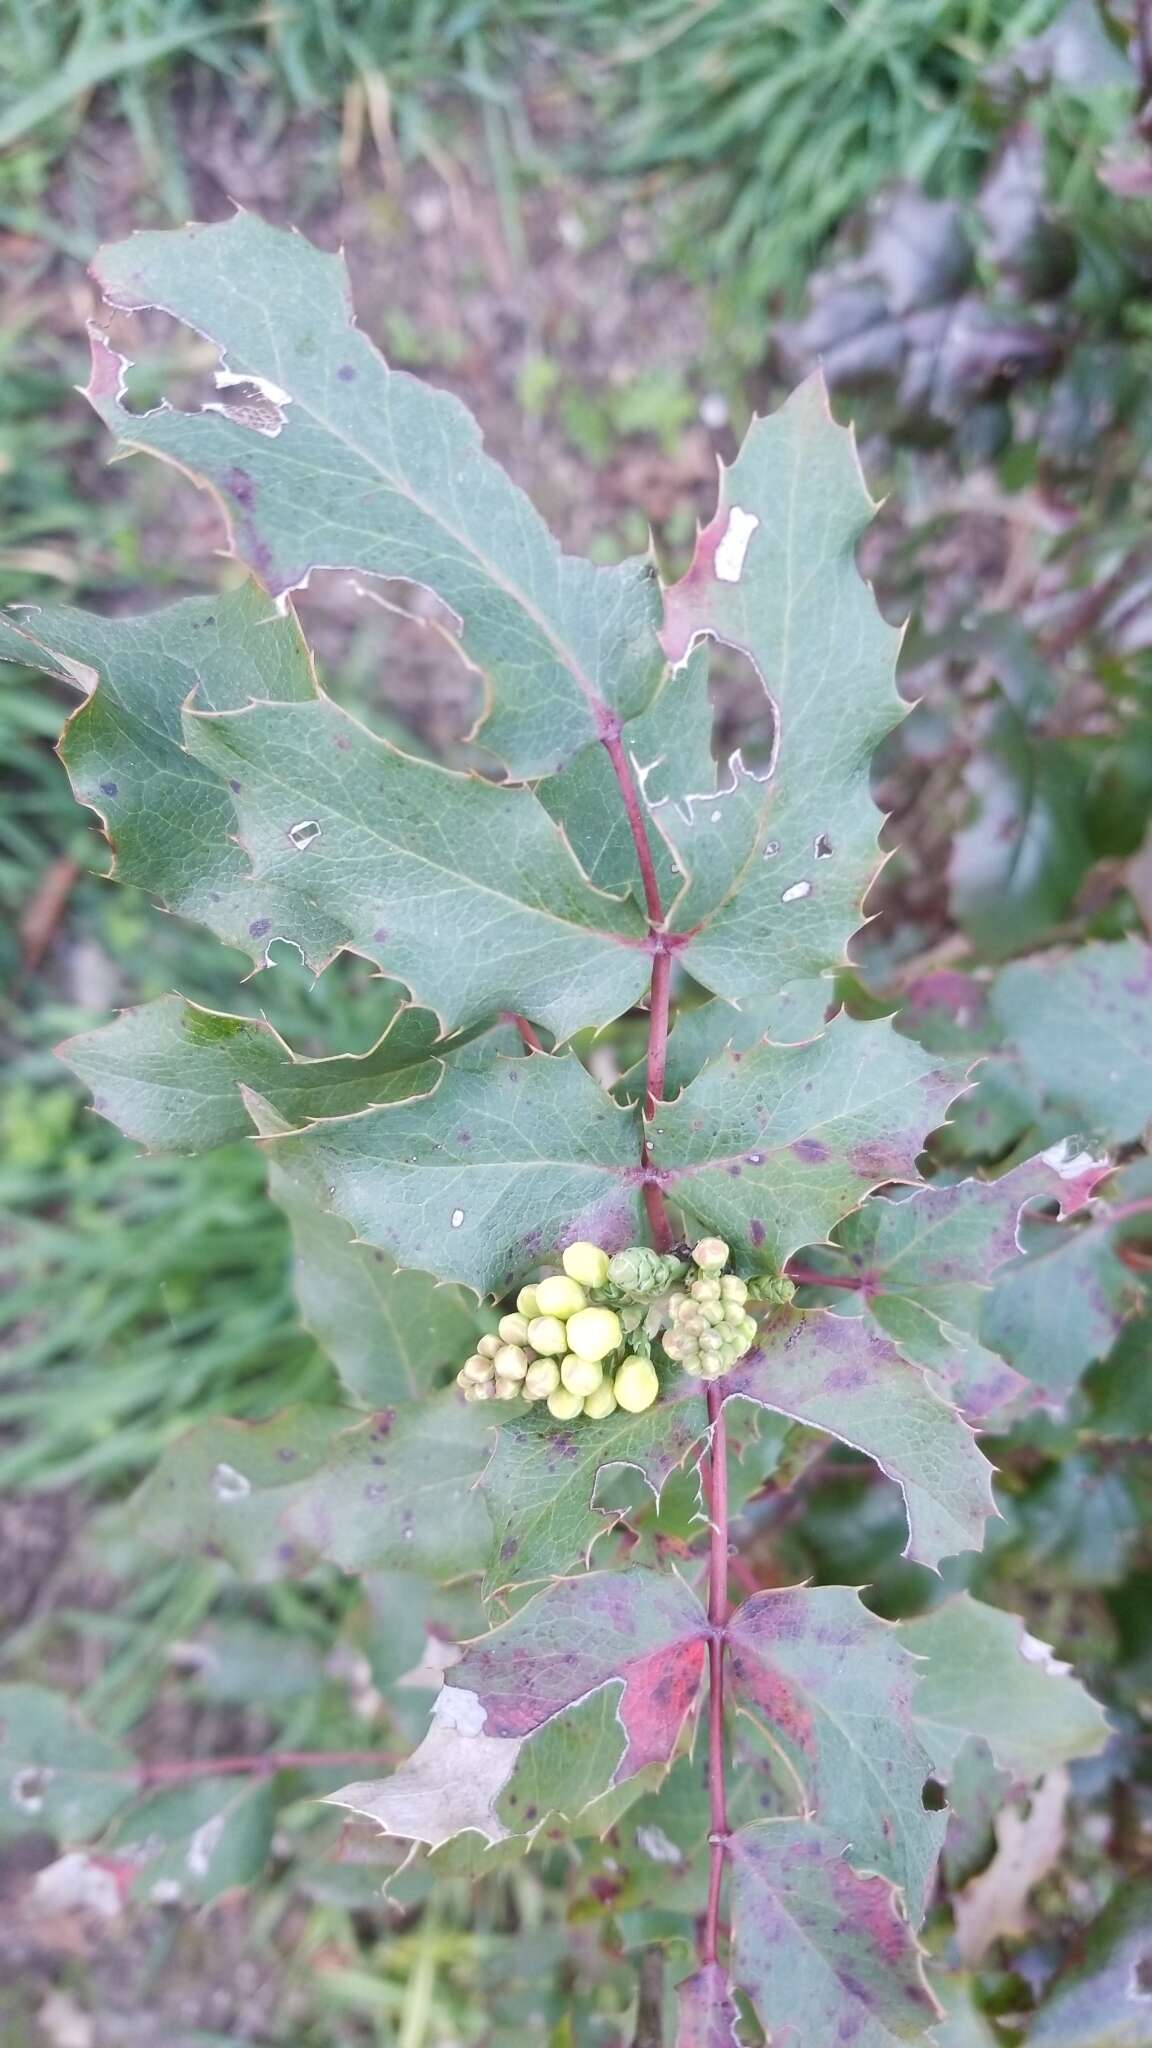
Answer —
313 1486
833 1689
462 888
169 1074
169 817
58 1776
480 1179
771 1147
1016 867
1065 1302
321 456
842 1377
390 1333
707 2012
824 1952
926 1268
1082 1025
774 575
541 1485
1103 2000
984 1676
625 1647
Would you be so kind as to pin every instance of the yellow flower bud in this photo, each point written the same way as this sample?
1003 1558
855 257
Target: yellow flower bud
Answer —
507 1390
565 1406
547 1335
488 1347
541 1379
560 1296
510 1362
580 1375
477 1368
600 1403
636 1385
513 1329
593 1333
586 1263
527 1303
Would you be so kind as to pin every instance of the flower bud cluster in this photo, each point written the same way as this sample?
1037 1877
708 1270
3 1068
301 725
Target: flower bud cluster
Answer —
581 1340
709 1326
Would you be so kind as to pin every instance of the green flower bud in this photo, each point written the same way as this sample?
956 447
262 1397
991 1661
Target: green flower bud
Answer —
705 1290
580 1375
711 1254
593 1333
600 1403
541 1379
635 1385
565 1406
488 1346
510 1362
732 1288
773 1289
560 1296
585 1263
527 1303
513 1329
640 1271
547 1335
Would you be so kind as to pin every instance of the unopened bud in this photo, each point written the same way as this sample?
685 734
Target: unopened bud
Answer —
507 1390
541 1379
560 1296
488 1346
477 1369
513 1329
565 1406
527 1303
510 1362
585 1263
601 1402
641 1271
635 1385
711 1254
580 1375
547 1335
593 1333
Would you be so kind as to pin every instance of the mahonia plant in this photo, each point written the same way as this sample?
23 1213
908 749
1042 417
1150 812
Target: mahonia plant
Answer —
531 1266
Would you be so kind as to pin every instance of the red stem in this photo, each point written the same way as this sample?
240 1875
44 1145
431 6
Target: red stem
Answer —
259 1763
806 1276
529 1037
716 1461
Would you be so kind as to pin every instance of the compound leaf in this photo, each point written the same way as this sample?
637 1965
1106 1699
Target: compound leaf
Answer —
770 1147
626 1647
823 1952
462 888
320 455
774 575
832 1689
1082 1026
984 1676
840 1376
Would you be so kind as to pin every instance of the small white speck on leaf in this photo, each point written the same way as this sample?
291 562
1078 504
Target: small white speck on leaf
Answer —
28 1788
796 893
303 834
457 1218
771 846
716 817
733 544
228 1484
658 1846
202 1846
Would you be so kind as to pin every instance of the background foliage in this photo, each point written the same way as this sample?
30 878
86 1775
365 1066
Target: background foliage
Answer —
986 323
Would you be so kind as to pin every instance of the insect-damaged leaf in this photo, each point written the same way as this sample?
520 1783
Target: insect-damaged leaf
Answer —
57 1775
463 889
326 1486
772 1146
840 1376
774 575
833 1689
358 467
623 1652
984 1676
170 818
482 1178
824 1952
